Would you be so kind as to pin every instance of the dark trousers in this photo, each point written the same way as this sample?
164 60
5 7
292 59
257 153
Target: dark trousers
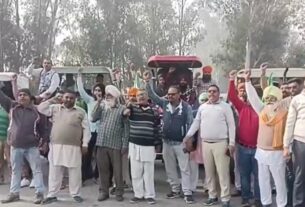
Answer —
109 162
247 166
289 182
87 171
298 149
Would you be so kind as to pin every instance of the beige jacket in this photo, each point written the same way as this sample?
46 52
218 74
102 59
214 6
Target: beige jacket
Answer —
295 121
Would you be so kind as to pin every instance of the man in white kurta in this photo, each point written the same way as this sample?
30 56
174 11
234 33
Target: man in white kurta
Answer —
69 138
142 141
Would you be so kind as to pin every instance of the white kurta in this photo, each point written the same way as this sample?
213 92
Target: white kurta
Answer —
60 157
142 153
142 170
271 162
65 155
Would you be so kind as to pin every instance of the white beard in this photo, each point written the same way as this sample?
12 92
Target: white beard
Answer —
110 103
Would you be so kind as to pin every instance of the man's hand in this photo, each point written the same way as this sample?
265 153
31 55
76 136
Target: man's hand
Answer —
263 68
54 100
247 75
147 76
233 74
197 75
126 112
172 69
186 139
38 99
84 150
286 153
14 78
124 151
99 99
80 70
232 150
44 148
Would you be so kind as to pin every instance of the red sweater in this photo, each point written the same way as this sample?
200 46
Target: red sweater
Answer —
247 129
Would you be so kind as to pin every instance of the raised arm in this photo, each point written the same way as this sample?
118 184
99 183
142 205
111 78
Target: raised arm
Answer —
253 97
263 79
28 72
54 85
46 107
15 87
233 97
97 112
152 94
5 101
83 94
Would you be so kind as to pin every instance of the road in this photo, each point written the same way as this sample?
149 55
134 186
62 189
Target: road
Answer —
90 193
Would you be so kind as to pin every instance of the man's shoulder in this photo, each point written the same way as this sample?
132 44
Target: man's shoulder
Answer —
81 110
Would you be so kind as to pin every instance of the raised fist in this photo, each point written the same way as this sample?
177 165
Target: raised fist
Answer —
232 74
147 76
247 75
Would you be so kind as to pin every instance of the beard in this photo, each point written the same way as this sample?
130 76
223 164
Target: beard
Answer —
206 78
183 87
110 103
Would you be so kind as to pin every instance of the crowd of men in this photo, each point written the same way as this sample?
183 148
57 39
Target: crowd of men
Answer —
263 135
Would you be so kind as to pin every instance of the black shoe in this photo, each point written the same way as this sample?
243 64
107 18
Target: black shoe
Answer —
38 198
11 198
189 199
151 201
112 191
211 202
236 193
257 203
78 199
136 200
245 203
172 195
102 197
226 204
119 198
49 200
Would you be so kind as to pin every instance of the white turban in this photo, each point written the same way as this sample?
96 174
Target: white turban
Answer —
114 91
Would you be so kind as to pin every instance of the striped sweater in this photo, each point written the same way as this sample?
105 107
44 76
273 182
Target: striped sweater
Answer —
144 125
4 122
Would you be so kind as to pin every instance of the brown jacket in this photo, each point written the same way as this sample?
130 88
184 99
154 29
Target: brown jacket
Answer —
26 126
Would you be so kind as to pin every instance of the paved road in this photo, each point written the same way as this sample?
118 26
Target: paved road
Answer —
90 193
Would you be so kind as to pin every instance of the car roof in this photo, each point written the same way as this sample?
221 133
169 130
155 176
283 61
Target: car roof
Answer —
278 72
86 69
166 61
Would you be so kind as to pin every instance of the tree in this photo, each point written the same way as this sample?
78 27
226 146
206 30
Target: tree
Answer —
190 25
262 24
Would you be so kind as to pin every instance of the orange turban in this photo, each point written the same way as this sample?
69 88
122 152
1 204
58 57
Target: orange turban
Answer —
132 92
207 70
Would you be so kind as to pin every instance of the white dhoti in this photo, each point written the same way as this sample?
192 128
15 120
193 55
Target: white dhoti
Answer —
142 164
271 162
61 157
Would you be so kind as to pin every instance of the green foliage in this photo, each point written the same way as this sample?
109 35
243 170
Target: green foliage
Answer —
265 24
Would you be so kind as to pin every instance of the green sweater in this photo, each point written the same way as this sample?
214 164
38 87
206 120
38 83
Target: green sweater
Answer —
4 122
